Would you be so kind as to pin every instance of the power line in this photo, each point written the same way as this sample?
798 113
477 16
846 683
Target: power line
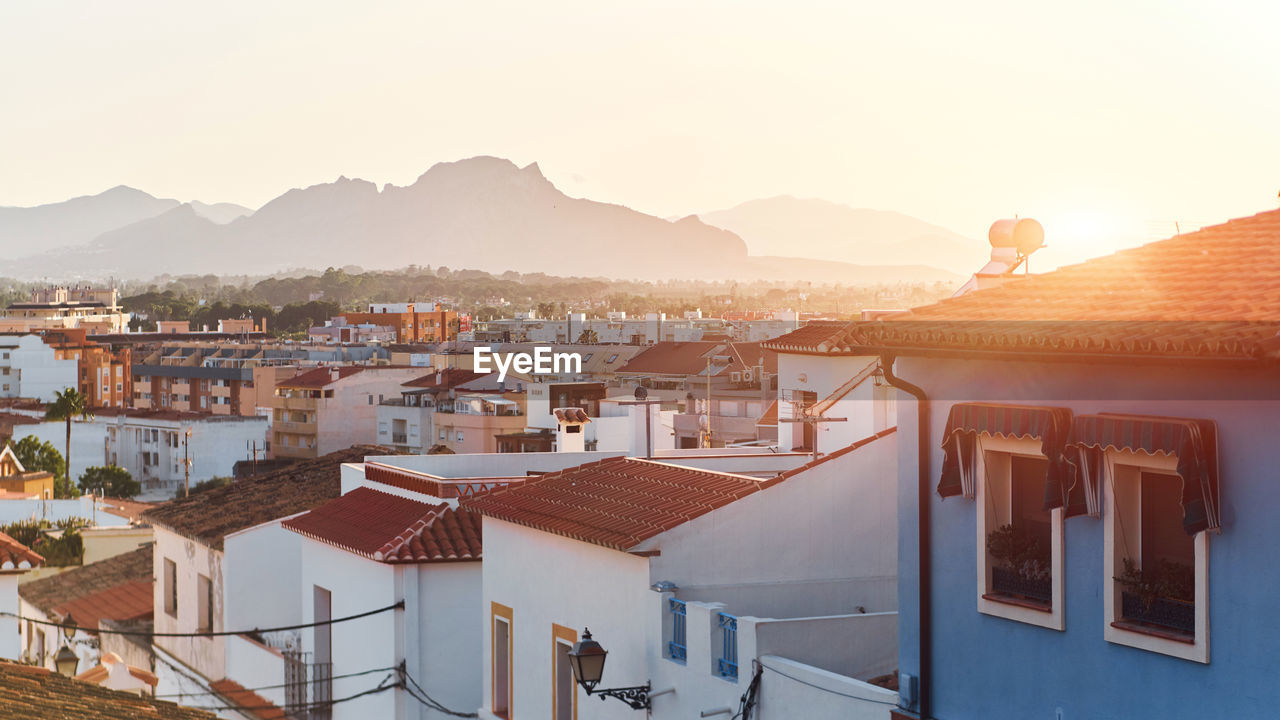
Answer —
276 687
381 687
220 633
826 690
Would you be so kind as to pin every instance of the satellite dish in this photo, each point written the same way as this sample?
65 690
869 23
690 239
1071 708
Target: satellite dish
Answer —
641 393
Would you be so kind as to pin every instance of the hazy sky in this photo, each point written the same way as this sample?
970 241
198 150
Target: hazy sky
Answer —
1102 119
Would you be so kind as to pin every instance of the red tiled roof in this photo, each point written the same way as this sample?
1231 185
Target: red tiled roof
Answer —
618 502
16 556
48 593
814 337
750 354
252 702
33 692
671 358
1209 293
319 377
444 379
770 416
131 509
211 515
571 414
127 601
102 670
392 529
432 485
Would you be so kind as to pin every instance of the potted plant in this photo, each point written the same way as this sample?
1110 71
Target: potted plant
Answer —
1162 594
1022 566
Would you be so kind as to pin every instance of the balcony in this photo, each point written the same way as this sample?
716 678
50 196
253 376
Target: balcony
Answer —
295 428
399 438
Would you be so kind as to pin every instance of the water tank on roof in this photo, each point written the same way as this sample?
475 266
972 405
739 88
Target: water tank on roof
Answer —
1024 234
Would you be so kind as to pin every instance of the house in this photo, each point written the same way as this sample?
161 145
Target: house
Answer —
1086 485
371 548
326 409
163 449
118 589
411 322
16 482
31 369
469 417
33 692
212 574
92 309
15 560
405 423
699 583
338 330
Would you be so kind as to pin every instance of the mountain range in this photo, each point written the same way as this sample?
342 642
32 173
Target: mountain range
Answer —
483 213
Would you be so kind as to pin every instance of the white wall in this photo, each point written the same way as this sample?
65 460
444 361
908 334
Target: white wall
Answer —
261 575
10 642
450 632
33 369
349 418
88 440
546 580
204 655
867 409
54 510
787 685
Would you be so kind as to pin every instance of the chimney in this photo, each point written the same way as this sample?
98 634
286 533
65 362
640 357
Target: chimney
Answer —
571 429
333 374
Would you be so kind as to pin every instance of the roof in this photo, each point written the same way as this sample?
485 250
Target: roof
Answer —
48 593
571 414
211 515
252 702
98 673
319 377
392 529
770 416
16 556
131 509
128 601
671 358
33 692
618 502
1210 293
443 379
814 337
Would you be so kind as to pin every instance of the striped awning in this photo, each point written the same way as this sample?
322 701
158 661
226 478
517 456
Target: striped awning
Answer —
968 421
1193 442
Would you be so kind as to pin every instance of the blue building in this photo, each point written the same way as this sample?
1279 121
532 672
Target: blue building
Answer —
1088 486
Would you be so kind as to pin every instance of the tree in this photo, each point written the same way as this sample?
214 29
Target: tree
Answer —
39 456
112 480
67 405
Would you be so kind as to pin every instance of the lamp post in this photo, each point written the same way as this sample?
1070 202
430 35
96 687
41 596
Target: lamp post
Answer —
66 661
586 657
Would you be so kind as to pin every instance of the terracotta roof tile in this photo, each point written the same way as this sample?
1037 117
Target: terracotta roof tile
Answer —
618 502
128 601
237 695
48 593
16 556
1209 293
33 692
393 529
671 358
210 515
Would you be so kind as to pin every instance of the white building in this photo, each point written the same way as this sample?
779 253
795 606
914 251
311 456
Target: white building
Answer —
689 578
154 446
15 560
31 369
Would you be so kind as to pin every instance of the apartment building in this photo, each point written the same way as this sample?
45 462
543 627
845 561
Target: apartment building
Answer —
104 373
340 330
31 369
93 310
156 445
412 322
326 409
219 378
471 416
406 422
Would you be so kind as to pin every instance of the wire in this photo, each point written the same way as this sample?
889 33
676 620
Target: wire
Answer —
827 690
381 687
276 687
429 701
220 633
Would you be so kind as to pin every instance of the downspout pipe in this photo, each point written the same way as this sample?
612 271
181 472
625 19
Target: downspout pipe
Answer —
923 564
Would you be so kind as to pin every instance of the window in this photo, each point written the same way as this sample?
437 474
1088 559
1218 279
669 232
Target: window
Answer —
564 695
1155 586
1019 544
677 648
459 436
503 669
727 663
442 434
170 587
204 604
612 358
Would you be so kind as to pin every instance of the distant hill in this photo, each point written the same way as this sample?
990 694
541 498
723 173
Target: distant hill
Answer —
483 213
829 231
76 221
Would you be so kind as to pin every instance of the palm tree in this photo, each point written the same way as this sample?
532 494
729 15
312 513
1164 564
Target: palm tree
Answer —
68 404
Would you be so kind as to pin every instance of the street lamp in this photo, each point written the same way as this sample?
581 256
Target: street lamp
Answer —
66 661
586 657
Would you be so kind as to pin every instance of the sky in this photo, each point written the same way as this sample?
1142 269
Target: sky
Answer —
1107 121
